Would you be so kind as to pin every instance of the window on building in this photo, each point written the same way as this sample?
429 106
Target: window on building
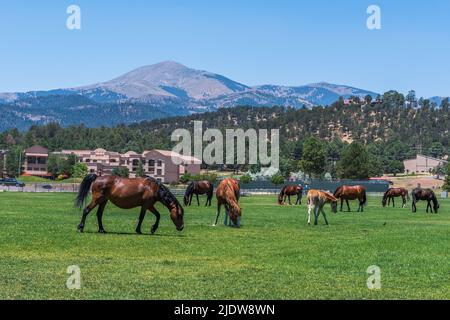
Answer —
151 163
159 163
159 172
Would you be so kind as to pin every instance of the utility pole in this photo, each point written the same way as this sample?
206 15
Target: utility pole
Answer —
20 164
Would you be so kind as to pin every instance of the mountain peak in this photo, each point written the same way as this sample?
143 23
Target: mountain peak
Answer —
168 65
169 79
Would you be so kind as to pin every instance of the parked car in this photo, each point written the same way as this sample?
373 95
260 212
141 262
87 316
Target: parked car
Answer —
11 182
47 187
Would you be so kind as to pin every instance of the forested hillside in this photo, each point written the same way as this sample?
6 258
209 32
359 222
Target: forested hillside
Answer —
390 132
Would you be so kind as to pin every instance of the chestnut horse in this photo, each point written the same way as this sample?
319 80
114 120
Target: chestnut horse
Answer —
317 200
352 193
199 187
393 193
227 194
427 195
127 194
289 191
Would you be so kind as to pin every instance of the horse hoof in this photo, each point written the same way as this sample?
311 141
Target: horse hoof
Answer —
138 231
102 231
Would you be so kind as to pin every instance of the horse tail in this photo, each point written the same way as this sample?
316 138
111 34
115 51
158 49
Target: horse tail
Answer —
85 187
211 189
364 197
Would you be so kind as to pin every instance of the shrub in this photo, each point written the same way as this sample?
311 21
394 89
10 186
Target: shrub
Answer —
80 170
185 178
121 172
446 186
245 179
277 179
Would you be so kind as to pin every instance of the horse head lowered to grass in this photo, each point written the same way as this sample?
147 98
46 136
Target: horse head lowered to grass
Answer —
128 194
228 194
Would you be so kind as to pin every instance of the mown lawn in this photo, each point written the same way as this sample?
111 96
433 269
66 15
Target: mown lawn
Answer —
276 255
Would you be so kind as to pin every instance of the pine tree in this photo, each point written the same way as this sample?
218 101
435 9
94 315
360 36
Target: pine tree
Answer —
354 163
314 157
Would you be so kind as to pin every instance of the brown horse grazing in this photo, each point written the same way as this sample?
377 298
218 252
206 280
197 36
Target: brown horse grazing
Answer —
393 193
128 194
424 194
199 187
352 193
289 191
317 200
227 194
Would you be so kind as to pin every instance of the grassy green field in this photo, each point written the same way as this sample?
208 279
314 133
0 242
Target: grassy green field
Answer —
275 255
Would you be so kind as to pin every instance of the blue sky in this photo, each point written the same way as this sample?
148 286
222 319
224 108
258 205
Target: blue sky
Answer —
250 41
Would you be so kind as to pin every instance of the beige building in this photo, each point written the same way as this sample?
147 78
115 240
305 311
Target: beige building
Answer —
156 163
35 162
98 161
422 164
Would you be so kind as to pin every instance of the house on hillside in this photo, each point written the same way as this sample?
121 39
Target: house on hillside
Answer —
422 164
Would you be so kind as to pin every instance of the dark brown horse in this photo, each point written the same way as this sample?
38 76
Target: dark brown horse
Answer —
199 188
393 193
227 194
289 191
427 195
352 193
127 194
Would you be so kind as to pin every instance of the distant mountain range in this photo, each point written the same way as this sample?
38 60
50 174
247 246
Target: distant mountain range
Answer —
157 91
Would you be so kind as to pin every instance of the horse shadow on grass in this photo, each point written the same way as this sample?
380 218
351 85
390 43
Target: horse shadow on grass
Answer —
118 233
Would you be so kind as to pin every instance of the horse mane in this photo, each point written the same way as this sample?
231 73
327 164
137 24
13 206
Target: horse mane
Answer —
329 196
190 188
339 189
386 193
165 195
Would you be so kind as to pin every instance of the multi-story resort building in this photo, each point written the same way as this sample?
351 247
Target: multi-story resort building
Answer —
156 163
